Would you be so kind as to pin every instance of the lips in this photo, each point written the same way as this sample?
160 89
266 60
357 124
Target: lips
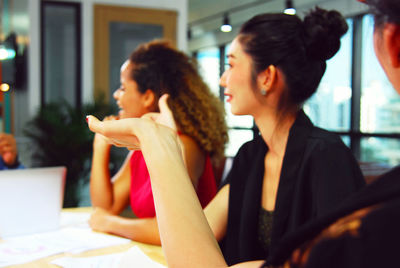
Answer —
229 97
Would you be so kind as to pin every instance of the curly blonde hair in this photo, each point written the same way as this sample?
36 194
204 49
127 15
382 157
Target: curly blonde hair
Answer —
197 111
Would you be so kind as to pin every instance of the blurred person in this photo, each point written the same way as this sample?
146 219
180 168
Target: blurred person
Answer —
8 152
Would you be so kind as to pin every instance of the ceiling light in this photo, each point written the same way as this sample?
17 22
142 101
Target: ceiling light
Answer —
226 27
290 10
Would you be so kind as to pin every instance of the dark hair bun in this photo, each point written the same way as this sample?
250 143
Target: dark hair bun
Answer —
323 30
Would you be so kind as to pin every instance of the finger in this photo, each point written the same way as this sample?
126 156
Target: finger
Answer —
166 112
163 104
112 128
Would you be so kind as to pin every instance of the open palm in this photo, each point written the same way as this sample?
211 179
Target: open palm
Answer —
128 132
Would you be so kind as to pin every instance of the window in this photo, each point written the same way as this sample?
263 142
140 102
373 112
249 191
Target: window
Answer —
208 60
61 46
329 107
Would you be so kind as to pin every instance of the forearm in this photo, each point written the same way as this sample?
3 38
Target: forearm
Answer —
101 188
142 230
185 234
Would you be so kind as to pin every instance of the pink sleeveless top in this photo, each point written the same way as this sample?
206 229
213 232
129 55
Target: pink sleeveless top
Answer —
141 196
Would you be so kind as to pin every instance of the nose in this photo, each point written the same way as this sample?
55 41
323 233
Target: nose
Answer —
222 80
116 94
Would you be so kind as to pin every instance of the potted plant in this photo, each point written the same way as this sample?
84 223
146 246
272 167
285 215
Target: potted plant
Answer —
60 137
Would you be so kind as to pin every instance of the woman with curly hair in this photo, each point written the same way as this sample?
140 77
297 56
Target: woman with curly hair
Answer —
154 69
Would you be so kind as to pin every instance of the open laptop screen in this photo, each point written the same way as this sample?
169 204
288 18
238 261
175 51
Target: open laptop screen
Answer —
30 200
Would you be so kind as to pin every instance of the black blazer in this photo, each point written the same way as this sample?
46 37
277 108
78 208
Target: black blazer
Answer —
376 243
318 172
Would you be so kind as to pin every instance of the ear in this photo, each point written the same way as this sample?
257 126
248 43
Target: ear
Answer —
149 99
267 78
391 42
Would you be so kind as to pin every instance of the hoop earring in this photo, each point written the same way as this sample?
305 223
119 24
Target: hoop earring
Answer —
263 92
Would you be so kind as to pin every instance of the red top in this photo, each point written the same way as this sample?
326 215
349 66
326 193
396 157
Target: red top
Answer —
141 195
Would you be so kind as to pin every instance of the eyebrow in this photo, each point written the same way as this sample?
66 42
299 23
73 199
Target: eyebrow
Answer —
230 56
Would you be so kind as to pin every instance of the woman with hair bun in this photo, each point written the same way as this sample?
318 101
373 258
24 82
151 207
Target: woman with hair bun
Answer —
363 231
291 174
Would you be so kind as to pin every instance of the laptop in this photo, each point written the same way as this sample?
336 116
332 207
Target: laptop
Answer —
30 200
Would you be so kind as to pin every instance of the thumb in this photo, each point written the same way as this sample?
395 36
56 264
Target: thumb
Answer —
94 124
163 104
166 112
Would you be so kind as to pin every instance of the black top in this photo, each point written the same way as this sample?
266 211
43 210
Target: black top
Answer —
375 242
265 229
318 172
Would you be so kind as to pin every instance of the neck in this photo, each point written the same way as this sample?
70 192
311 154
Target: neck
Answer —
275 130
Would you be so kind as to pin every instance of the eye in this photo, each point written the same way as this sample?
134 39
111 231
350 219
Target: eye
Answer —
228 66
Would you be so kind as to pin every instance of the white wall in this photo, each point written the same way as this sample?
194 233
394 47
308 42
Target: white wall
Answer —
87 41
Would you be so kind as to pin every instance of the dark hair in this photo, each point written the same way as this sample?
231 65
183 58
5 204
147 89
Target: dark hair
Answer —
197 111
298 48
385 11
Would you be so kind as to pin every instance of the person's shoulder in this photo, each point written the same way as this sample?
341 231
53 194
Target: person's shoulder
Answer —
326 140
252 146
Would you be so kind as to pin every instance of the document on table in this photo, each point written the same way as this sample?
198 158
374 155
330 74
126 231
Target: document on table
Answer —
28 248
134 257
76 219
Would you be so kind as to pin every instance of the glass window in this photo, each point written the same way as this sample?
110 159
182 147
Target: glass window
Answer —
383 150
236 138
379 101
61 62
346 140
208 60
329 107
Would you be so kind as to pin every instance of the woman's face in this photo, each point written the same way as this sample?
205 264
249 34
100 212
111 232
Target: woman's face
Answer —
129 99
383 56
237 81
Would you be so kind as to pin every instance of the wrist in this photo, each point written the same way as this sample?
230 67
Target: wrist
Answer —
102 147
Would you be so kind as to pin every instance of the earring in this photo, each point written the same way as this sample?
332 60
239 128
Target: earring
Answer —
263 91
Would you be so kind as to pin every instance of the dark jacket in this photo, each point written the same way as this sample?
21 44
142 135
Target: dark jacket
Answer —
374 242
318 172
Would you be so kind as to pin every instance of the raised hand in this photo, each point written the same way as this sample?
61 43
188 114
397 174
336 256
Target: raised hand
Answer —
99 140
165 117
130 132
120 133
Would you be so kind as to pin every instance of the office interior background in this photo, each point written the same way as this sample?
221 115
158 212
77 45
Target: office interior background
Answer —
62 53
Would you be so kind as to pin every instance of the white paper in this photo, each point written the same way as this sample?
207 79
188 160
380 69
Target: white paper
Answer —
23 249
75 219
134 257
